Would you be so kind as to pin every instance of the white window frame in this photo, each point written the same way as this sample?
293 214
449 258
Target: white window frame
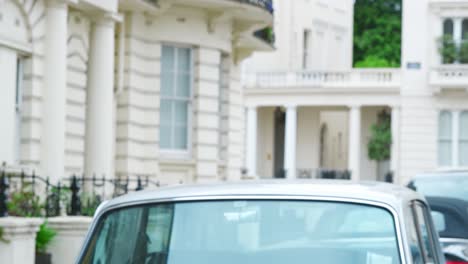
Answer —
179 153
455 139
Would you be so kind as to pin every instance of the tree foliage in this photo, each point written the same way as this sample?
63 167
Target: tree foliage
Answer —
379 145
377 33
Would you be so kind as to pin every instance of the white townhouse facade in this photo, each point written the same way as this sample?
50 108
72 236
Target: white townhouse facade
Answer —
128 87
315 111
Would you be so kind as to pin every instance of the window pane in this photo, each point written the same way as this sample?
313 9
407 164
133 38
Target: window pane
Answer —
464 125
166 112
183 85
167 59
463 152
167 84
463 134
448 27
445 153
439 221
181 112
184 59
445 125
180 137
445 139
465 29
165 137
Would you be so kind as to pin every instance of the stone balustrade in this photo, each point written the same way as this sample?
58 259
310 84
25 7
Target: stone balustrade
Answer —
365 78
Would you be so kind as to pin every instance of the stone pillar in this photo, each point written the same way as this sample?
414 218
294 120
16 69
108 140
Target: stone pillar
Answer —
19 234
290 142
395 152
100 99
71 232
354 148
251 155
54 96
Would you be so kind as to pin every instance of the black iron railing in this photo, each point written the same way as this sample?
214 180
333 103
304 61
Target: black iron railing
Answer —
265 4
30 195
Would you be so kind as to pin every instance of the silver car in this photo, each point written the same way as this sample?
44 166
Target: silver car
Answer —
273 222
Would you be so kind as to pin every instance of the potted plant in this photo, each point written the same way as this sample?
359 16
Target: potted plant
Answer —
447 49
379 145
43 238
463 54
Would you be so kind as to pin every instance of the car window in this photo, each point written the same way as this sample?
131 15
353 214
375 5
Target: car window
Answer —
248 232
423 230
439 221
443 186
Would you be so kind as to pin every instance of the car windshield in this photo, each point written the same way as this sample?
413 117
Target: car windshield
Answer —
245 231
450 186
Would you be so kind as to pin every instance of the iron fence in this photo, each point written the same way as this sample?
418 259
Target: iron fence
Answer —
30 195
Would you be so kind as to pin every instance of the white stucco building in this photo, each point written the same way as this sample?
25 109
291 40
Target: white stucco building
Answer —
312 110
129 87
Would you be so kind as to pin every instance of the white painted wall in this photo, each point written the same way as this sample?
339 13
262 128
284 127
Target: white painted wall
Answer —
308 138
8 133
265 142
336 150
330 24
418 151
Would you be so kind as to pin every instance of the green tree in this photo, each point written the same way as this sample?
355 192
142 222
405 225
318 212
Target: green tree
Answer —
377 33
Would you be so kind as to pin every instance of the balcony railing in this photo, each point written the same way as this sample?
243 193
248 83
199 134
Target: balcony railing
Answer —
449 76
265 4
321 79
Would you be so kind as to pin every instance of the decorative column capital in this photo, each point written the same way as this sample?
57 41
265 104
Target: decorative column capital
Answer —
106 19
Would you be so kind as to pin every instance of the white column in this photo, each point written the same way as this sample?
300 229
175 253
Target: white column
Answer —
251 154
100 99
354 156
457 30
455 138
54 96
290 142
395 157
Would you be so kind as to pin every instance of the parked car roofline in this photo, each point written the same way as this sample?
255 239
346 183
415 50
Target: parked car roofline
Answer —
399 223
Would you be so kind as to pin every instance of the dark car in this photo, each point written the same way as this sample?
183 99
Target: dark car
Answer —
451 221
450 184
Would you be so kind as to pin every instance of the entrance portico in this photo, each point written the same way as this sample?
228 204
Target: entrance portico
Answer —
321 124
298 141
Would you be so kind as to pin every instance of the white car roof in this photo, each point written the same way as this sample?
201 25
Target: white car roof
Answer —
389 194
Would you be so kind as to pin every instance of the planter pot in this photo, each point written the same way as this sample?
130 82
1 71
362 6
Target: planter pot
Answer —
383 167
43 258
